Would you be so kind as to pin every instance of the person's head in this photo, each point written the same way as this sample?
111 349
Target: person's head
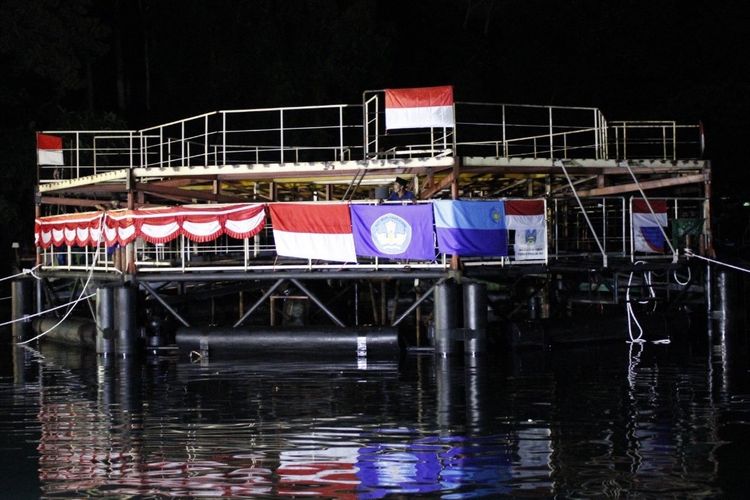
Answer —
400 184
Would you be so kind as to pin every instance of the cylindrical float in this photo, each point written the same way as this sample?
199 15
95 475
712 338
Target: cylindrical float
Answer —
372 342
475 318
22 305
126 338
72 331
105 321
446 318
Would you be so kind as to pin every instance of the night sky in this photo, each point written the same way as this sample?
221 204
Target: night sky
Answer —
80 64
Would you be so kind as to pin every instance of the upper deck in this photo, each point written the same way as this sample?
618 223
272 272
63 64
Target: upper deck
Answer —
322 149
583 165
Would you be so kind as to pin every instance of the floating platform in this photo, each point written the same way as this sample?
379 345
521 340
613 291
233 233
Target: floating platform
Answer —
196 214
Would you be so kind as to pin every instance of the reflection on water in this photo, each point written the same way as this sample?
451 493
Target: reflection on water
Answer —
620 419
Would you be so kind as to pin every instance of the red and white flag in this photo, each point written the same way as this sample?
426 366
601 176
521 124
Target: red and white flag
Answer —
423 107
49 149
313 231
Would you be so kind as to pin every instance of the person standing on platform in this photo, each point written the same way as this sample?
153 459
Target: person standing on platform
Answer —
400 192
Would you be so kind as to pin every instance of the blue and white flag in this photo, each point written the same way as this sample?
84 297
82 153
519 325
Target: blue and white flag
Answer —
393 231
471 228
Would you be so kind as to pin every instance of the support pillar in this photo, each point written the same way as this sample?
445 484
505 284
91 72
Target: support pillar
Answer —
105 321
446 318
126 339
475 319
22 305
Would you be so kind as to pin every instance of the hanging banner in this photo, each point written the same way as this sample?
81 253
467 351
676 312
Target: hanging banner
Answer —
393 231
317 231
471 228
527 219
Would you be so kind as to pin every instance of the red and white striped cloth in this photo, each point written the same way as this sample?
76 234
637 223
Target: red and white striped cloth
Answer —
317 231
49 149
422 107
198 223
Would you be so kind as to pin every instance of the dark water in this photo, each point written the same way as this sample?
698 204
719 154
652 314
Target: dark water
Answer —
613 420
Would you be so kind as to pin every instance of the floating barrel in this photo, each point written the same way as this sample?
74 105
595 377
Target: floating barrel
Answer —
308 341
72 331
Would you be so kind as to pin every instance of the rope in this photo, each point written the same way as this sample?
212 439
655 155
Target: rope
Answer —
631 313
41 313
689 253
689 277
83 289
22 273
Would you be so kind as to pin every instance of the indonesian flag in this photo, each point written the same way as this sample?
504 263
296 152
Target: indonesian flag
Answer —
422 107
49 149
313 231
526 218
647 227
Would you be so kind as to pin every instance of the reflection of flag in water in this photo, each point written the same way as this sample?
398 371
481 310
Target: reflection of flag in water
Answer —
647 232
471 228
313 231
49 149
526 218
393 231
423 107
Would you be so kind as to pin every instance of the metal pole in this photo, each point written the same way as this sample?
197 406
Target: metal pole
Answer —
417 303
161 301
317 302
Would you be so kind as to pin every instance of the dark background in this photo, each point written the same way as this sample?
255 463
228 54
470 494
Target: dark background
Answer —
85 64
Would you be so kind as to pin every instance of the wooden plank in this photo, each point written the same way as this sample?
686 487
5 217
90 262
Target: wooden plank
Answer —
628 188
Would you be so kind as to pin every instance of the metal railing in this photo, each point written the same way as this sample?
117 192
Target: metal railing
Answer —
341 132
570 235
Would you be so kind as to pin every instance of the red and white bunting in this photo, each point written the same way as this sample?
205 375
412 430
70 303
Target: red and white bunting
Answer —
154 225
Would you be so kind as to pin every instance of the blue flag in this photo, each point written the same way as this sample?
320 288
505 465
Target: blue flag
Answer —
393 231
471 228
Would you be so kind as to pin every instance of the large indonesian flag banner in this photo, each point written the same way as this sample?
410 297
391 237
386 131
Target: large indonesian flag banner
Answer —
423 107
49 149
526 218
198 223
393 231
317 231
647 227
471 228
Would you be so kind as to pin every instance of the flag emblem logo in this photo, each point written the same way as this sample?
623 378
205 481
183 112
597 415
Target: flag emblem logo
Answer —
391 234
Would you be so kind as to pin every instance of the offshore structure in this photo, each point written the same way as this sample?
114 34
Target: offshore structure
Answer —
595 179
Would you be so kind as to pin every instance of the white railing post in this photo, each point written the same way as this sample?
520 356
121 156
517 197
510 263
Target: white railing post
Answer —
281 133
341 133
223 138
205 140
182 144
551 137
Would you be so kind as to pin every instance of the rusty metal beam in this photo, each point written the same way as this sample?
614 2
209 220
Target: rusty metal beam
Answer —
186 194
74 202
655 184
444 183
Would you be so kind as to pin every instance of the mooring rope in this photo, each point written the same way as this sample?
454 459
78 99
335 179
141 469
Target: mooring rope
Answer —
689 253
22 273
631 312
83 289
42 313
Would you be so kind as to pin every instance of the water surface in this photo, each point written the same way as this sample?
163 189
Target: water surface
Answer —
607 420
